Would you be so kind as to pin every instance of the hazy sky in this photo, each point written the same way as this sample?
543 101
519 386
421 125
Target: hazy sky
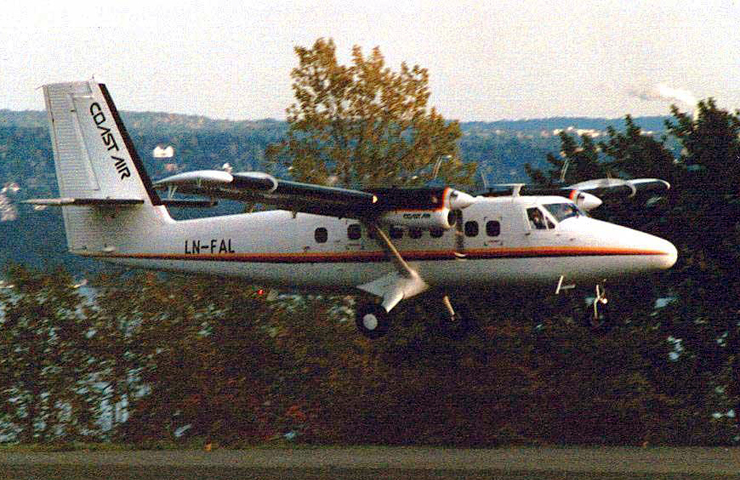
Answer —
487 60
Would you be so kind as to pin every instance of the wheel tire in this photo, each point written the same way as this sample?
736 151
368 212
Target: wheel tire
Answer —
598 323
372 320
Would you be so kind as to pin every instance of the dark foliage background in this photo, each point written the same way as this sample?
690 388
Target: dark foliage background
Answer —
126 359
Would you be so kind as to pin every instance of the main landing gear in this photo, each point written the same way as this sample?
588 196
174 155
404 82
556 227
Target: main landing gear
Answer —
373 321
455 323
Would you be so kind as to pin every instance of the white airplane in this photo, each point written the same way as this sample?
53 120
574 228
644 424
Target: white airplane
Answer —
390 243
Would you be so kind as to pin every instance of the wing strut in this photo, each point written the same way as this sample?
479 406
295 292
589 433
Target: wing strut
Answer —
405 282
385 243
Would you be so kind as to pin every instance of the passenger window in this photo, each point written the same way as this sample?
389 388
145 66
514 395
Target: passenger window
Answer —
396 232
471 229
493 228
321 235
436 232
415 233
354 231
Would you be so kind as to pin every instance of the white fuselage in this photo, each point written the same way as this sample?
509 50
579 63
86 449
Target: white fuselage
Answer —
311 251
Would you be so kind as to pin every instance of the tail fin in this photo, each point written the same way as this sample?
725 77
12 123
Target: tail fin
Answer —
102 181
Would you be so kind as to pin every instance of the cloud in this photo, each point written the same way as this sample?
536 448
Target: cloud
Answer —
663 92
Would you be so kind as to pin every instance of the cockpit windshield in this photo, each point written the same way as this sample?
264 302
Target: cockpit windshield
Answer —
562 211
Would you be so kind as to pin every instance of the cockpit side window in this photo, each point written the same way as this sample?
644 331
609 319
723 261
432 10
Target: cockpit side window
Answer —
538 220
562 211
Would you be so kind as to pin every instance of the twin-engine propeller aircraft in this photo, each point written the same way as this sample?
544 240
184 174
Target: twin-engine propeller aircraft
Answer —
391 243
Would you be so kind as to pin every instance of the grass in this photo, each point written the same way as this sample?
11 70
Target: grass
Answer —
67 447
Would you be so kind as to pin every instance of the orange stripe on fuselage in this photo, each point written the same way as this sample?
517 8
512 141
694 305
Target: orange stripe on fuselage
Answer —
379 256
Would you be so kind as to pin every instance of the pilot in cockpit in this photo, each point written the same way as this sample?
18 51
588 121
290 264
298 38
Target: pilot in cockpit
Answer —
536 219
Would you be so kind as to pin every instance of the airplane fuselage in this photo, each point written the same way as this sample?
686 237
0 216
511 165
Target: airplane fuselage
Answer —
494 244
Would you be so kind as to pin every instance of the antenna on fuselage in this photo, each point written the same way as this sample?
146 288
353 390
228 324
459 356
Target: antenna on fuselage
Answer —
437 165
485 180
564 169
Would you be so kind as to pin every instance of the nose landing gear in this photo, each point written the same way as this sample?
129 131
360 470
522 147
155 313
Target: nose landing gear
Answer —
597 315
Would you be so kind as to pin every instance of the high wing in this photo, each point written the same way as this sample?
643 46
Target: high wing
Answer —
258 187
618 186
586 195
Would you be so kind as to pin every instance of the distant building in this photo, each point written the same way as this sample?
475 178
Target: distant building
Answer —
578 131
8 212
10 187
160 151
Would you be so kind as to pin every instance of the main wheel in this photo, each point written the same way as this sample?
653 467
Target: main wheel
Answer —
372 320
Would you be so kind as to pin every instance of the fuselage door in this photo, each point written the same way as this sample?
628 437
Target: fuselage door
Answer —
541 227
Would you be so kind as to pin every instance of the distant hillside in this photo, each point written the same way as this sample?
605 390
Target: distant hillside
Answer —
173 121
653 124
25 119
170 143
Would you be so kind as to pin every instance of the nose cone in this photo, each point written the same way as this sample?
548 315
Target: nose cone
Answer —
670 256
639 252
658 254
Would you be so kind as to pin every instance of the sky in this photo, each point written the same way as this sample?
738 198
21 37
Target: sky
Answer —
487 60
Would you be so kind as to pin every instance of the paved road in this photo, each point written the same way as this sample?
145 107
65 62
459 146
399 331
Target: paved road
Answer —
381 463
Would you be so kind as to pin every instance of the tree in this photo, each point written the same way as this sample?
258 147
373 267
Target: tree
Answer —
699 319
706 212
365 125
203 368
575 163
46 371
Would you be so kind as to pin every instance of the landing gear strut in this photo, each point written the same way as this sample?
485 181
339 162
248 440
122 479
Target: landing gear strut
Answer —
455 323
596 317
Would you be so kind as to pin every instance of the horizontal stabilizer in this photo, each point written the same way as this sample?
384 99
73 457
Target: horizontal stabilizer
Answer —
85 202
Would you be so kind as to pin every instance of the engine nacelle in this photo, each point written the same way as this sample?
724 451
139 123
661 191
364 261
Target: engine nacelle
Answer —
423 207
440 218
585 200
